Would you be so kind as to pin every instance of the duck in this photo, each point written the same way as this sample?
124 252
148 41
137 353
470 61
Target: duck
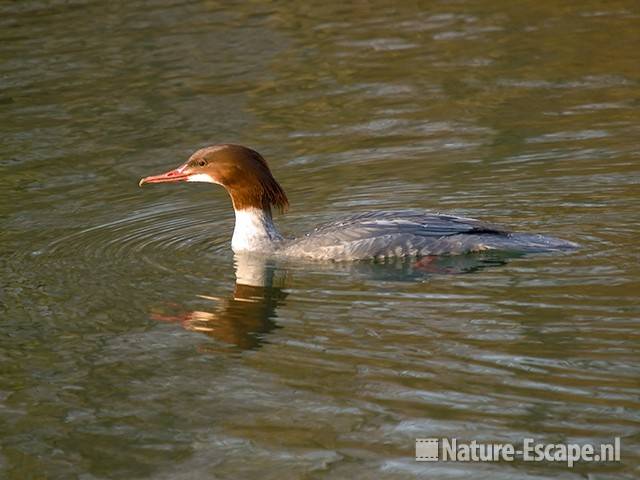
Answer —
255 193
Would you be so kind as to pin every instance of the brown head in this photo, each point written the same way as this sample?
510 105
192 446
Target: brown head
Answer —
242 171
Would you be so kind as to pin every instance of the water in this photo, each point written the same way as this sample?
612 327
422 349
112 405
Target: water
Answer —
129 351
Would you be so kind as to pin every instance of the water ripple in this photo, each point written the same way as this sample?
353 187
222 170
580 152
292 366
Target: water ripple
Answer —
153 233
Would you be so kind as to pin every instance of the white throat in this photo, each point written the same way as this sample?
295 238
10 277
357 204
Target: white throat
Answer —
254 231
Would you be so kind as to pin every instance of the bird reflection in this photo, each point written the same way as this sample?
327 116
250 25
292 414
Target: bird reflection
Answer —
242 319
422 269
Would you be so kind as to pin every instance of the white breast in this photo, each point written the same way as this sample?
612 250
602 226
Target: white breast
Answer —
254 231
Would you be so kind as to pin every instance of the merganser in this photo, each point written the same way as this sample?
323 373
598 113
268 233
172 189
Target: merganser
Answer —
245 175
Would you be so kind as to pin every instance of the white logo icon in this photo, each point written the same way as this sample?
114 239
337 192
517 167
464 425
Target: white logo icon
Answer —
427 449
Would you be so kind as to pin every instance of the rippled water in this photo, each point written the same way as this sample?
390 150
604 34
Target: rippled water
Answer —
130 351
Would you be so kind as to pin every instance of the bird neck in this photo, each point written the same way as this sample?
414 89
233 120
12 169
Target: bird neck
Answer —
254 231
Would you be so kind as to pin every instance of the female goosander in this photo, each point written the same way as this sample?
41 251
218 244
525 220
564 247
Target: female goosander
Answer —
244 173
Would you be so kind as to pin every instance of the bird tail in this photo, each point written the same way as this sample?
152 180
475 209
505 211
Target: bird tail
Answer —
527 243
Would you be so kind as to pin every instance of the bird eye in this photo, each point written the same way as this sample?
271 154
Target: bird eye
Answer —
202 163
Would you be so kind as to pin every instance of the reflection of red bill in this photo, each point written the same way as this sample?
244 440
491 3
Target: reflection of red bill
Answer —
236 320
164 318
195 321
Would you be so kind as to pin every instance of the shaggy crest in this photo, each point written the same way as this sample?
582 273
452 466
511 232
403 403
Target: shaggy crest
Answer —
244 173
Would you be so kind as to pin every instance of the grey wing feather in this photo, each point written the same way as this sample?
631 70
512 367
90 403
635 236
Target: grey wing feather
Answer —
400 232
398 222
